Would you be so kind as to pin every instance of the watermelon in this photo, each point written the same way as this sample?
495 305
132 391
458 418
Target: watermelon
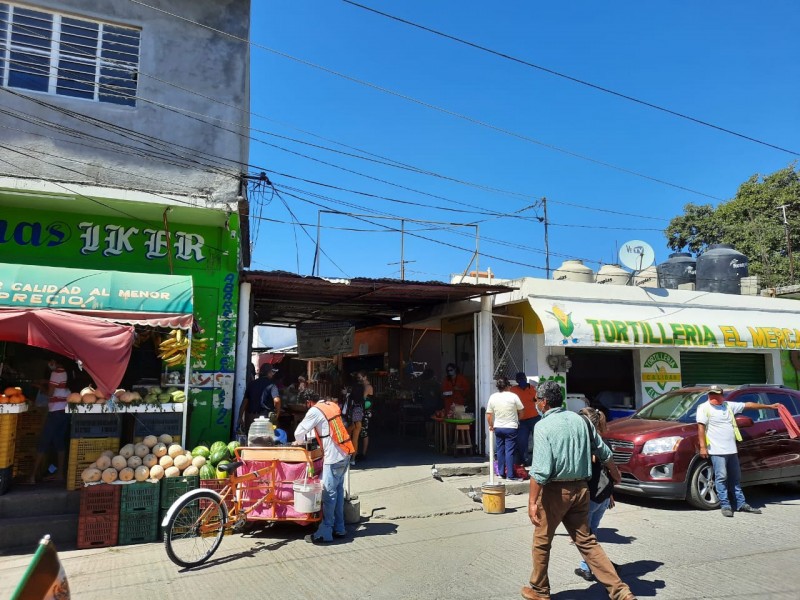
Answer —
201 451
232 447
222 474
218 456
218 446
208 472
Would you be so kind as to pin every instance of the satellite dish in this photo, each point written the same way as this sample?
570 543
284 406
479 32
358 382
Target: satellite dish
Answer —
636 255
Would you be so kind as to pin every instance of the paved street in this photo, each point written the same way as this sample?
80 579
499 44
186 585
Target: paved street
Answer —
425 539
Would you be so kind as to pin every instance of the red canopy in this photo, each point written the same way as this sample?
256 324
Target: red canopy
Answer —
103 347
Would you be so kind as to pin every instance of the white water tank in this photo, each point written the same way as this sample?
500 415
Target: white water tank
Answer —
574 270
612 275
646 278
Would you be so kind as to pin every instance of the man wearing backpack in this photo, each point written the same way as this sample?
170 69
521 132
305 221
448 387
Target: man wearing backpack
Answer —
323 421
261 397
717 437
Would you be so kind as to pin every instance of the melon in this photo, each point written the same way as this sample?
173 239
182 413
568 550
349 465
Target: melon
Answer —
134 461
222 474
109 453
150 460
141 473
191 470
156 472
165 438
119 462
74 398
126 397
135 396
207 472
151 399
118 393
201 451
91 475
232 447
174 450
182 461
155 390
217 446
103 462
99 395
109 475
164 398
160 449
165 461
126 451
88 398
92 466
172 472
150 441
218 456
198 461
141 450
126 474
87 390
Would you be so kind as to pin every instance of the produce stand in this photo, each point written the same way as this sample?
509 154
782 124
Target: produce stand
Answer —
271 498
97 409
13 409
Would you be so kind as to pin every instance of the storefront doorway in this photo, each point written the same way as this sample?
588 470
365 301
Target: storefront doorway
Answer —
605 377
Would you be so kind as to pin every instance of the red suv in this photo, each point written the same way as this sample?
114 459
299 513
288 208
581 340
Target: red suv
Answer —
656 448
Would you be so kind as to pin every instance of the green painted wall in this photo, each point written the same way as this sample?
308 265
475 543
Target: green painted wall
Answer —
203 244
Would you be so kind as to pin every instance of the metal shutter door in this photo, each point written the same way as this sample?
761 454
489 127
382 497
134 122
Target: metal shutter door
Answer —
735 368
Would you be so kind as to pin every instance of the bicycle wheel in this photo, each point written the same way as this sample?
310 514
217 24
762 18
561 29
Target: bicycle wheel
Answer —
195 530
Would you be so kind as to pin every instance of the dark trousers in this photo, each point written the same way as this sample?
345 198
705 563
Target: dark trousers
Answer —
505 446
567 502
524 432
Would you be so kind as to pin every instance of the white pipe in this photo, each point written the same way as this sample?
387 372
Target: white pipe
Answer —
491 457
243 328
484 362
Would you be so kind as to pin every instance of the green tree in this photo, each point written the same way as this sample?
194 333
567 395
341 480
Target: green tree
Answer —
752 222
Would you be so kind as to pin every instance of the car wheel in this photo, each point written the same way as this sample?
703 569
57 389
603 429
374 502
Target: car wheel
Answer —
702 493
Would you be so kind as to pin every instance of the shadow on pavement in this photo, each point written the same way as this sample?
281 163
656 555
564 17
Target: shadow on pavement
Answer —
629 573
757 495
609 535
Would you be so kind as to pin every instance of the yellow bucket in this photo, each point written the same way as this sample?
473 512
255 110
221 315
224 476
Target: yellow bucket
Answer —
493 496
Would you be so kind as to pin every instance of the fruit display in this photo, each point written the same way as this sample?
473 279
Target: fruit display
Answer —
173 349
152 459
155 395
12 395
207 459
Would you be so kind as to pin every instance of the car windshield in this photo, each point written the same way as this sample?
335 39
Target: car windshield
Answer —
673 406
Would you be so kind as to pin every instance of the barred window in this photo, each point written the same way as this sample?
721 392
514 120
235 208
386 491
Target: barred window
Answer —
64 55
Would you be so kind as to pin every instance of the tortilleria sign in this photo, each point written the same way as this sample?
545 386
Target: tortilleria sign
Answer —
660 373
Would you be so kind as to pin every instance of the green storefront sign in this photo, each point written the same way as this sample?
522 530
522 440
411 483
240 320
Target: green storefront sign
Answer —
143 243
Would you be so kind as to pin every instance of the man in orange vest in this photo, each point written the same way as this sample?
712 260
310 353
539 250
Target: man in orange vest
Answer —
324 421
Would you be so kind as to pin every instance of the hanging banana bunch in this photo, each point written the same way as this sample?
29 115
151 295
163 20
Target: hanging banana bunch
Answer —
173 349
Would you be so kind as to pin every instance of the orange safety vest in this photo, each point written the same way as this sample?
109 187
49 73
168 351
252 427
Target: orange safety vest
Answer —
338 432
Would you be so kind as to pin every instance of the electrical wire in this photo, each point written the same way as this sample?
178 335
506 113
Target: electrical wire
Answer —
434 107
573 79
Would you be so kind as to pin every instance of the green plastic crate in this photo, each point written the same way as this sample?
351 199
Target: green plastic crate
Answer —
138 528
173 488
140 497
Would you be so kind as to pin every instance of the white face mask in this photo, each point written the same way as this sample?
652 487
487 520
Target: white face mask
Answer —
52 366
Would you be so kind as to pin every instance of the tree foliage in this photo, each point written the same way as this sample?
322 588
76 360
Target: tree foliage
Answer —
752 222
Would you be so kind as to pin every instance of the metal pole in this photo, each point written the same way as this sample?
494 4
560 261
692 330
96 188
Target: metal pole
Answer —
788 244
315 266
546 241
402 256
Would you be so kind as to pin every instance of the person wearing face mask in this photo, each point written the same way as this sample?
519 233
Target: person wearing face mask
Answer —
527 420
455 388
56 425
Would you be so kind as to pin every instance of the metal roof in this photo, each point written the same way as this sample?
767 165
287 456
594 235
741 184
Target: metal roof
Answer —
283 298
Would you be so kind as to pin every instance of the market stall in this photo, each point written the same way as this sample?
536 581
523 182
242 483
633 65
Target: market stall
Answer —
97 320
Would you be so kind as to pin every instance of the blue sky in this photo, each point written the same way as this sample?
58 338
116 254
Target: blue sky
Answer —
734 64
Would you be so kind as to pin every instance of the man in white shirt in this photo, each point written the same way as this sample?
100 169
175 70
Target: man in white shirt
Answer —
56 425
336 458
718 433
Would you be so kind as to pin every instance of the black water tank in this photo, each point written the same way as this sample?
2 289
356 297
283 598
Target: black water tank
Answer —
679 269
720 269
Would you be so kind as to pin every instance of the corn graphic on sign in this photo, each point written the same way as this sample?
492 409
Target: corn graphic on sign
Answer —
565 324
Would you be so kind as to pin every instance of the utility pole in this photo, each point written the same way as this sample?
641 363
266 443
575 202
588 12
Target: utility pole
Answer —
402 246
788 244
546 241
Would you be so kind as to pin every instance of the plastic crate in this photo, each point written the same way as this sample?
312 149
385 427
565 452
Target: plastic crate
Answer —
8 436
82 453
138 528
139 497
95 426
23 465
218 485
26 444
5 479
31 422
173 488
145 424
102 499
98 532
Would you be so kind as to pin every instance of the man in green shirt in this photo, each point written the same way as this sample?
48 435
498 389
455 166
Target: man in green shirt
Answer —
562 463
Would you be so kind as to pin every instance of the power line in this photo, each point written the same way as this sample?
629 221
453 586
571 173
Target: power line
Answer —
573 79
446 111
